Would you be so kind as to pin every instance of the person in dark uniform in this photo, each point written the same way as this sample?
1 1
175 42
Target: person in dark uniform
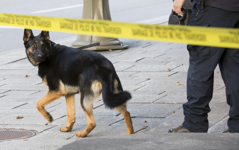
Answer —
203 60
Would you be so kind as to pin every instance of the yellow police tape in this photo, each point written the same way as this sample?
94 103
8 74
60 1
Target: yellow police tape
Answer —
218 37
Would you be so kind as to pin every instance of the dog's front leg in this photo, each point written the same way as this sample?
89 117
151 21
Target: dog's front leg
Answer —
48 98
70 104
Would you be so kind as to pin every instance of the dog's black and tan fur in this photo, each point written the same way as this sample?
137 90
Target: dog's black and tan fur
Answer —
68 71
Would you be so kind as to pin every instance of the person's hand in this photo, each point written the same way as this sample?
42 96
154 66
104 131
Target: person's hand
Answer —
177 5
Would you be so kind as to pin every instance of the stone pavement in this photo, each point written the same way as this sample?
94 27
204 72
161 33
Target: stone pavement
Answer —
154 73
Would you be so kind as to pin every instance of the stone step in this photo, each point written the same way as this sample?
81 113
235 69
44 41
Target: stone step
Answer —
156 140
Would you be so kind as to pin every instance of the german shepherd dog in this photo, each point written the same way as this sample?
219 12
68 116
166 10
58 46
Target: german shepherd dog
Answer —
68 71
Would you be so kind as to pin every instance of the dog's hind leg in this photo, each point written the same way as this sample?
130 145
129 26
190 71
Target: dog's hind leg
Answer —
48 98
90 91
117 87
70 104
90 121
122 109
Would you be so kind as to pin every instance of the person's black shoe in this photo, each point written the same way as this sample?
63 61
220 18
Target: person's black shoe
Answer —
180 129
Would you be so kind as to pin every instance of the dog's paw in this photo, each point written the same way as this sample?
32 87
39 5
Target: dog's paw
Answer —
65 129
81 134
49 118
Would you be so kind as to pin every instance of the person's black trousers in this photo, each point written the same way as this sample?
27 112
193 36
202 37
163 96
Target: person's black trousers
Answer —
203 60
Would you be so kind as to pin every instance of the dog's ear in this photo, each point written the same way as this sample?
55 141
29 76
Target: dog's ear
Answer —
45 34
27 35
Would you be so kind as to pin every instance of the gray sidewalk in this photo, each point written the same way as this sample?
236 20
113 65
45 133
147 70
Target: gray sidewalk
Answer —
154 73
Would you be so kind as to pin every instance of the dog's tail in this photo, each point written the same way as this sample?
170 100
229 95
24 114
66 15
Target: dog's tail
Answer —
112 91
